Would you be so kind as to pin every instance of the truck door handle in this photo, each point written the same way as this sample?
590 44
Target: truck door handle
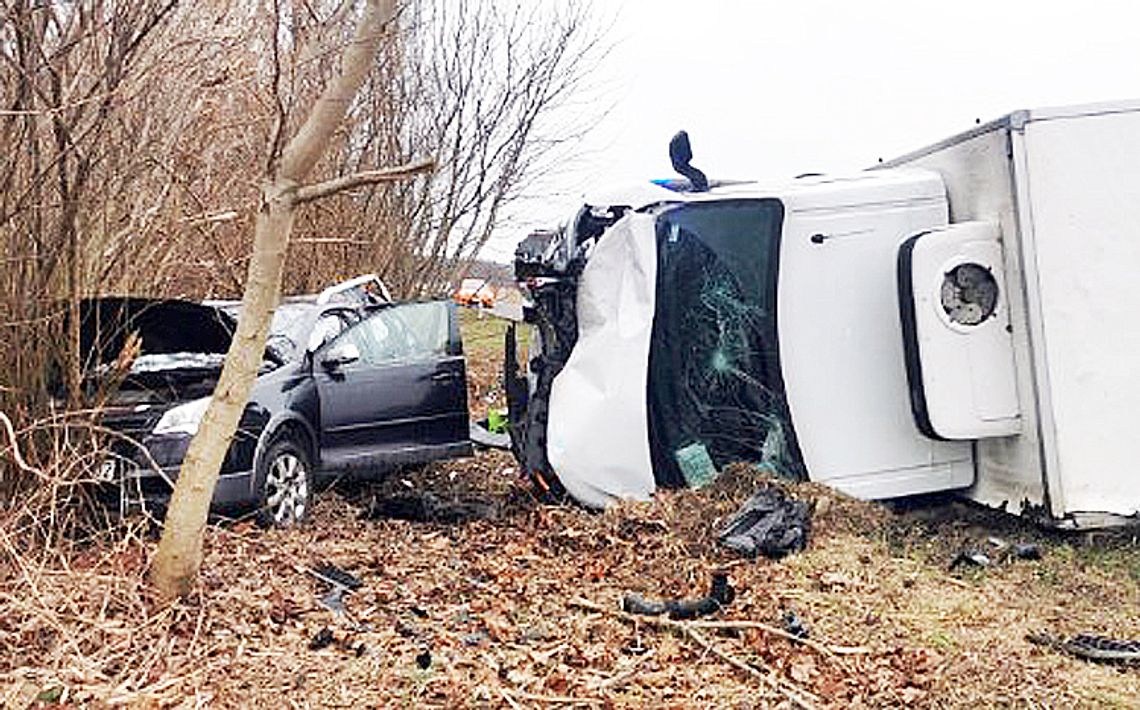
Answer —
444 377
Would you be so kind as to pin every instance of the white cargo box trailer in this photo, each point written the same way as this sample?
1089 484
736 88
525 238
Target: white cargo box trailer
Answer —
965 317
1063 188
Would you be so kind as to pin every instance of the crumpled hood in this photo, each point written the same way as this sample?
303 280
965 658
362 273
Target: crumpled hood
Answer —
598 438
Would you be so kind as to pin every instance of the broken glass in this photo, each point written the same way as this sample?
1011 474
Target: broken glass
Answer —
715 391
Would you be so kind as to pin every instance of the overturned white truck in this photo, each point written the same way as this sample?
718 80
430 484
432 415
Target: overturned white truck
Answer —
965 317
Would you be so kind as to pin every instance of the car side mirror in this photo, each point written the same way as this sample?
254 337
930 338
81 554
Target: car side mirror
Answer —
340 354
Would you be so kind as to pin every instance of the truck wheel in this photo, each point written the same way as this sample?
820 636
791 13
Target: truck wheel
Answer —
286 490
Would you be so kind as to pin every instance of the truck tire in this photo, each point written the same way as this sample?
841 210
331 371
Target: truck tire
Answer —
285 488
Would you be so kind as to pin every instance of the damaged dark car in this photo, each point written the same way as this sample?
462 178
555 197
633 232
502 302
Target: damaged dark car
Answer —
352 385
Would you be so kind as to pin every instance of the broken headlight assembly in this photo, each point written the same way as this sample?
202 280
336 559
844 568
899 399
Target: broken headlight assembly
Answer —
183 419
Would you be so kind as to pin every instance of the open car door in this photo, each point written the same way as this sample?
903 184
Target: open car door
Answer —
393 390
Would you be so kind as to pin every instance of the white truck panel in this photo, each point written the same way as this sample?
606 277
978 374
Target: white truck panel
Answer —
841 345
1065 186
976 170
1083 184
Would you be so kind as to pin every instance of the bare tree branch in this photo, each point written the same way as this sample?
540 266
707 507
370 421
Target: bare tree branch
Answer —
311 140
308 193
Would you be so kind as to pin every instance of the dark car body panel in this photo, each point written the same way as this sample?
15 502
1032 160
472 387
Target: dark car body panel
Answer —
357 418
417 409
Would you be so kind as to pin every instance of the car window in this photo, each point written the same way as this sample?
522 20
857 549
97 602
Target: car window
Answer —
287 329
405 333
326 327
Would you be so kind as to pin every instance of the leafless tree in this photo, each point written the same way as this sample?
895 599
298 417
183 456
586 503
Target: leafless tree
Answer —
179 552
69 66
480 85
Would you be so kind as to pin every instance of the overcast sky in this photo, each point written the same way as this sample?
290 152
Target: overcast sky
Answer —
773 89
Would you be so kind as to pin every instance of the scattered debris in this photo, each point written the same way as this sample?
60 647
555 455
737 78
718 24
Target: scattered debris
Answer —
423 660
323 639
484 434
794 625
1027 551
1020 550
720 595
768 523
1091 647
337 577
423 507
339 583
756 668
971 558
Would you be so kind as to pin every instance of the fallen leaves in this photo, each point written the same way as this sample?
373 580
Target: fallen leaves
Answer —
482 613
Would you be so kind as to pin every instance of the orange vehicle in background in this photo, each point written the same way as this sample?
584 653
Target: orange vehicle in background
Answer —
475 292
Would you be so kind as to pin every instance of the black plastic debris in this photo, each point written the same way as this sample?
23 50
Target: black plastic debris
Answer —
339 583
1027 551
428 508
335 576
970 558
1016 551
323 639
720 595
1092 647
794 625
770 524
423 660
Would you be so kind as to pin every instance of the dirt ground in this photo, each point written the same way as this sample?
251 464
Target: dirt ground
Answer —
517 607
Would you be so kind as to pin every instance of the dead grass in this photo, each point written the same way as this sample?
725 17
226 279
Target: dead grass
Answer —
483 344
491 602
484 614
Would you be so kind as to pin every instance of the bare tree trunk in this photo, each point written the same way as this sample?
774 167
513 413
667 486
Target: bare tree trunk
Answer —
179 553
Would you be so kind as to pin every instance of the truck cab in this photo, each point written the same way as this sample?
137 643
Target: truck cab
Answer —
888 333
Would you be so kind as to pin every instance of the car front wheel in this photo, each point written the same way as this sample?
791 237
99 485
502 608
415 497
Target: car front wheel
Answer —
286 485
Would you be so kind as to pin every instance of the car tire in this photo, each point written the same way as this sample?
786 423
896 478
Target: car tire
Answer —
285 488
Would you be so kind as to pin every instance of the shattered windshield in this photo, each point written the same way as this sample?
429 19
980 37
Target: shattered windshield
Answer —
715 391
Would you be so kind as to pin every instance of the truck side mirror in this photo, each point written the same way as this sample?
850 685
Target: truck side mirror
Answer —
956 332
680 154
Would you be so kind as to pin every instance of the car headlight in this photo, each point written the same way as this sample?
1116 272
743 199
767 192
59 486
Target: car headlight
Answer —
183 419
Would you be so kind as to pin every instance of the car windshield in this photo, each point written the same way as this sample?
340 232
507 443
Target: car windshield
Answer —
287 330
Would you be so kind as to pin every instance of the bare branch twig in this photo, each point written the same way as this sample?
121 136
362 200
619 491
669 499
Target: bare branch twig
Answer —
16 455
797 695
308 193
